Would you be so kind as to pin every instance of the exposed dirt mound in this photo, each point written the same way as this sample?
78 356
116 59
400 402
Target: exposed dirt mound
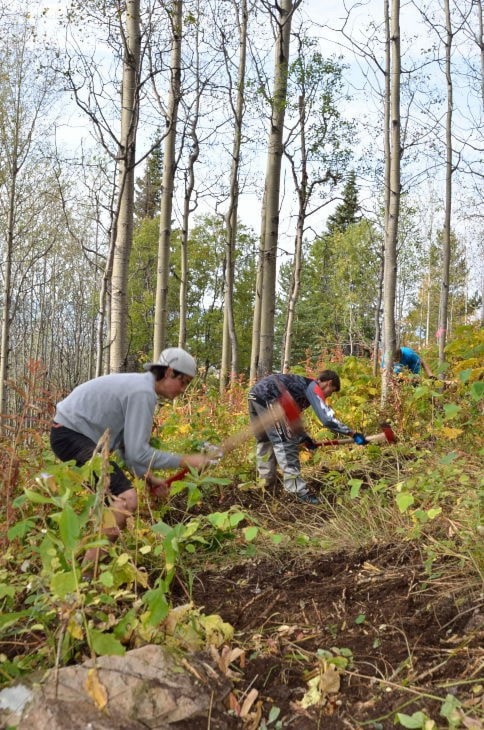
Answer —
407 645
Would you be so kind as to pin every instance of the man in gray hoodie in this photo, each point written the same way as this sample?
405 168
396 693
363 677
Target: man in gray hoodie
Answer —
123 405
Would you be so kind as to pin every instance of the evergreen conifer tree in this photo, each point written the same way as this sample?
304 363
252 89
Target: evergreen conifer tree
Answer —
348 211
148 187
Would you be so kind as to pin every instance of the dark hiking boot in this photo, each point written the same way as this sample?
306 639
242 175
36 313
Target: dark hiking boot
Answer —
307 498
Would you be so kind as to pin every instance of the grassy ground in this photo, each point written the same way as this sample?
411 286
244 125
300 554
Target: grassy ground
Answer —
363 611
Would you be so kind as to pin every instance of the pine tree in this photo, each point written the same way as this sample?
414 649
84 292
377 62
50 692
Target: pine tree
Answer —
348 211
148 187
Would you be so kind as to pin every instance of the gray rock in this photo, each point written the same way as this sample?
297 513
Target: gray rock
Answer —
149 687
12 702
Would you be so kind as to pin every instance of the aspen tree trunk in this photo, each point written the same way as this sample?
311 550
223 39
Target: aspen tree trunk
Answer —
273 177
444 284
376 341
127 153
187 209
7 284
386 182
302 191
480 41
255 345
391 218
229 363
427 317
104 303
294 293
15 152
169 166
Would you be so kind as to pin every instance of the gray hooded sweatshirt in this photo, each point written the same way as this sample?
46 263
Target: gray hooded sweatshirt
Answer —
124 404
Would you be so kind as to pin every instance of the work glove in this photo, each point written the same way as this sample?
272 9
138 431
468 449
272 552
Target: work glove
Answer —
309 444
359 439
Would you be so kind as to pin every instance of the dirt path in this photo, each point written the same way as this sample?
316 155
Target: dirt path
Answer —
406 645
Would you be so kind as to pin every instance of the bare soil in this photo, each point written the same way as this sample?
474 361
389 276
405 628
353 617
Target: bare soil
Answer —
410 645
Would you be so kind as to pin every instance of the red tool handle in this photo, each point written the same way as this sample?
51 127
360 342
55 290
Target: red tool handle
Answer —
174 478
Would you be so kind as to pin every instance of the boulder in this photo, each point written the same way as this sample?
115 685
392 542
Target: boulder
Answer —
149 687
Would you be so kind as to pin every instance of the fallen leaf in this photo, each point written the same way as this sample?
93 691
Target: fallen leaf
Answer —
224 658
217 631
451 433
96 690
248 702
177 615
329 680
325 682
233 702
313 695
253 721
75 629
108 520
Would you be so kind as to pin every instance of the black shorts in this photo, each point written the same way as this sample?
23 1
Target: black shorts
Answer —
69 445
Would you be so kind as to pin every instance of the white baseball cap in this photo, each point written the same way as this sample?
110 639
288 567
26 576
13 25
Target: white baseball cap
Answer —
178 359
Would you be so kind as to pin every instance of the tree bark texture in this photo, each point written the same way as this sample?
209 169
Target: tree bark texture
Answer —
273 179
169 167
229 362
127 155
391 218
302 190
444 284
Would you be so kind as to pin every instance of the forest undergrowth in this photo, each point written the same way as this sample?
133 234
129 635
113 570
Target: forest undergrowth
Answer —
366 610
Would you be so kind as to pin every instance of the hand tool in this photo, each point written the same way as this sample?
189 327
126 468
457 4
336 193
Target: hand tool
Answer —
386 436
285 407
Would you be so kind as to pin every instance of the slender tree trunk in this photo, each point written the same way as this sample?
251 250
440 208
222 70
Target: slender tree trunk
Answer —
104 305
293 294
169 167
429 290
13 160
376 341
302 190
273 177
182 296
7 293
444 284
187 210
229 363
391 219
259 283
480 42
124 228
